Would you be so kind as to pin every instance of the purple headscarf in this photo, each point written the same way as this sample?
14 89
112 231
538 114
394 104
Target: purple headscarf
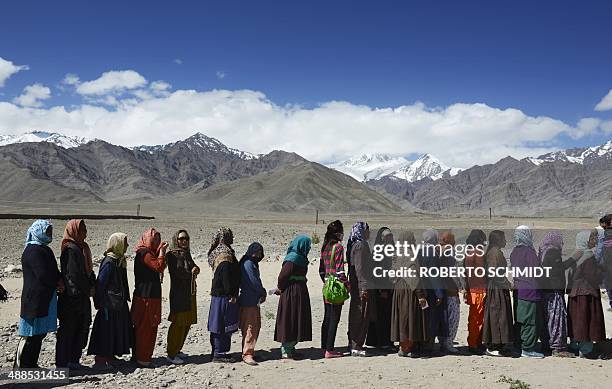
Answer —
552 240
357 234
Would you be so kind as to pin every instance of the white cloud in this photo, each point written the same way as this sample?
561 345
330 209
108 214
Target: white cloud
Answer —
8 68
606 103
460 135
606 127
114 81
220 74
160 85
33 95
71 79
178 61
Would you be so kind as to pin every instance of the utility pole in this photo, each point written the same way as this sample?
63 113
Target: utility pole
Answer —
317 216
138 210
490 213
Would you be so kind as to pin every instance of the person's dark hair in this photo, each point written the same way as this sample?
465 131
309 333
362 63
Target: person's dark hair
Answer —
334 229
495 239
606 220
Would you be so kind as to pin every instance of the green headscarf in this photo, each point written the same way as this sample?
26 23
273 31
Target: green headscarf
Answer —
298 250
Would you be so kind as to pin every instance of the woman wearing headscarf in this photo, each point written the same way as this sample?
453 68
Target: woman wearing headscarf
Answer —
183 309
529 308
293 316
409 323
362 308
149 265
553 288
112 333
586 321
74 305
379 330
497 328
41 281
429 257
475 290
223 316
447 260
332 262
252 294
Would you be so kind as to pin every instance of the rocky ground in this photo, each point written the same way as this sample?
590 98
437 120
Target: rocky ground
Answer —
376 371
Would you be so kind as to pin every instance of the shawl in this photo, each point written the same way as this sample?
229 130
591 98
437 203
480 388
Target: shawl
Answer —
37 233
116 248
174 246
298 250
523 236
71 235
552 240
413 262
146 241
220 248
382 233
357 234
253 248
582 244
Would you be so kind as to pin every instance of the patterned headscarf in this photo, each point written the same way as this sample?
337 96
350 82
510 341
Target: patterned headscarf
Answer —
523 236
71 235
582 244
174 246
298 250
430 236
221 243
357 234
552 240
146 241
116 248
37 233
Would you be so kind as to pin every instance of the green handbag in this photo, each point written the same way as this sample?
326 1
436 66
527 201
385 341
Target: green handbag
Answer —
334 290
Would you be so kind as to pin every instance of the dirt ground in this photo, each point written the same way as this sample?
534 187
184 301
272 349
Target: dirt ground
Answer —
275 232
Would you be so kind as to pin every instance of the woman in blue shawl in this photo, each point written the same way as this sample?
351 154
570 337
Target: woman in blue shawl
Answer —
41 281
293 318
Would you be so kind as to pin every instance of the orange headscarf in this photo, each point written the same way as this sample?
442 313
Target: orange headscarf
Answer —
146 241
71 235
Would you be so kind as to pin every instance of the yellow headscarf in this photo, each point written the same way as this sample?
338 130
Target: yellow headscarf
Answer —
116 248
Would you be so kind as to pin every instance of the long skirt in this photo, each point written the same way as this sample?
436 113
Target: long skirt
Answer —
408 320
379 330
112 333
293 316
586 319
361 312
223 316
555 317
475 318
146 316
438 325
497 328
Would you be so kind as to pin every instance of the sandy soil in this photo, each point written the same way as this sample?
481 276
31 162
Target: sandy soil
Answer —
274 232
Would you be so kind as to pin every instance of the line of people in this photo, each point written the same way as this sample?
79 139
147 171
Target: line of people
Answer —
410 311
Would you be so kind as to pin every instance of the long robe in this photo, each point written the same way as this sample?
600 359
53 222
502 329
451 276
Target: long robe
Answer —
293 317
498 325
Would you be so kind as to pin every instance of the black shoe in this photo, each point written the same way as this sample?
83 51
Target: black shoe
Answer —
476 351
224 359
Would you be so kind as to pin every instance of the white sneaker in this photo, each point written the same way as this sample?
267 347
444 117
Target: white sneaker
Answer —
175 361
493 353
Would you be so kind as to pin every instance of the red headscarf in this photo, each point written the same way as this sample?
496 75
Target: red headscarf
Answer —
447 238
146 241
71 235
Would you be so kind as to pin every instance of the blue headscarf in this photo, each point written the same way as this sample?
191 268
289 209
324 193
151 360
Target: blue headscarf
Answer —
523 236
253 248
357 234
37 233
298 250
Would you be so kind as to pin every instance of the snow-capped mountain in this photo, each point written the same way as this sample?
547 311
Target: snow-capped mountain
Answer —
199 141
580 155
375 166
426 166
369 166
64 141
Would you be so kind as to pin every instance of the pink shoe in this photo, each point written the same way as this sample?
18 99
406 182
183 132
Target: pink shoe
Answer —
333 354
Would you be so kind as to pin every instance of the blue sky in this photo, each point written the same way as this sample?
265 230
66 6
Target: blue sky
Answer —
550 59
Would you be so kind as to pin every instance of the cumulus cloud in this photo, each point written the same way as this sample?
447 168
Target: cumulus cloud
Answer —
71 79
33 95
160 86
114 81
606 103
460 135
220 74
8 68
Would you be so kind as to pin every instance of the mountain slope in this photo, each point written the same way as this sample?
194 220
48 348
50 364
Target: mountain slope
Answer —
43 136
304 186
